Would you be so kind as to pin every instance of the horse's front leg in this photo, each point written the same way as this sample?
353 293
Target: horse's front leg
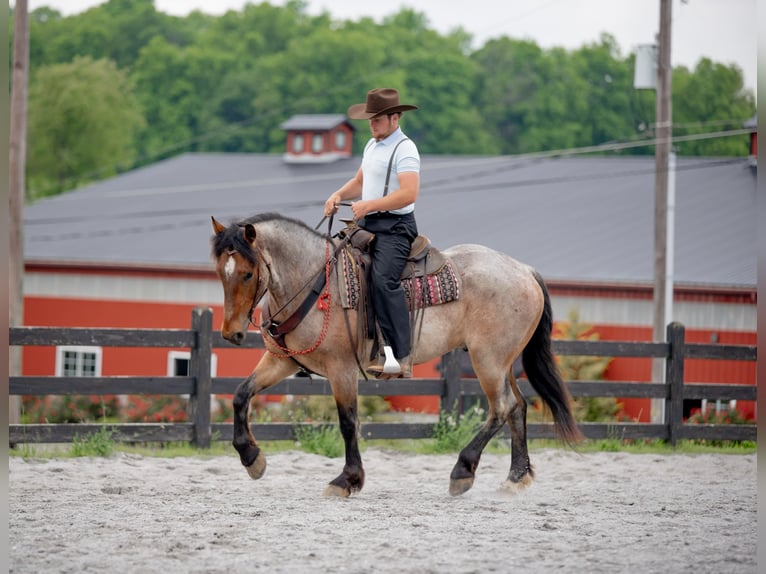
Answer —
269 371
351 480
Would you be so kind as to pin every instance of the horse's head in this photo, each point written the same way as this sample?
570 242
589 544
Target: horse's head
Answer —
236 263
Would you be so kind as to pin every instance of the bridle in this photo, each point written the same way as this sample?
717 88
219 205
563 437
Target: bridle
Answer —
276 329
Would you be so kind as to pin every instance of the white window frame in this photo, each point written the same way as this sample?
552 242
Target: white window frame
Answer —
62 349
317 143
340 139
298 143
173 356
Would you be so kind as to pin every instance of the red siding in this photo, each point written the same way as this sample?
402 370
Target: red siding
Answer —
41 311
49 312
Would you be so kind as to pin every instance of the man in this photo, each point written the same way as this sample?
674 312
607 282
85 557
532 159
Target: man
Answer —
386 208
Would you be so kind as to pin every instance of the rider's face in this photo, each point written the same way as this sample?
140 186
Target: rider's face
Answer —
383 126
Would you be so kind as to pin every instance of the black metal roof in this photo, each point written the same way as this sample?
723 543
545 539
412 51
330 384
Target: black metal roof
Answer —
585 219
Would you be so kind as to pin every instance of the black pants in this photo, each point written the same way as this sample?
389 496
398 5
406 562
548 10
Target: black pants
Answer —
394 235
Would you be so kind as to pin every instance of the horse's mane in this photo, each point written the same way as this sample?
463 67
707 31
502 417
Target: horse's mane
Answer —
232 237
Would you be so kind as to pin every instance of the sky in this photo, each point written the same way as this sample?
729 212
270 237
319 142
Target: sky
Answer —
723 30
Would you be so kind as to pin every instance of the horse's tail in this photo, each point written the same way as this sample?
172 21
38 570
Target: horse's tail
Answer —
542 372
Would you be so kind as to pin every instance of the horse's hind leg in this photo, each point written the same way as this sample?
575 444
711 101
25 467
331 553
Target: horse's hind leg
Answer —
521 474
351 480
500 403
464 471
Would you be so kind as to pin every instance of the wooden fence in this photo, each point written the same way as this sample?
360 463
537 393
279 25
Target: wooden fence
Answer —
199 385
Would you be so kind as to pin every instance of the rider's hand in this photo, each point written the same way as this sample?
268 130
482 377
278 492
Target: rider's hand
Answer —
331 205
360 209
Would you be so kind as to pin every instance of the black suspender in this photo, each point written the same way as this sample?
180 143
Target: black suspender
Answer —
391 163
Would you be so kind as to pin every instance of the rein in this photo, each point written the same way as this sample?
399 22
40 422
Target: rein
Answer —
278 330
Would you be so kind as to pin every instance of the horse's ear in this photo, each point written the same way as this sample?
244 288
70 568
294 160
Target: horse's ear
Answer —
250 233
217 227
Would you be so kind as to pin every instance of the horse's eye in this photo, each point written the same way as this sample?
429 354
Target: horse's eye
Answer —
248 276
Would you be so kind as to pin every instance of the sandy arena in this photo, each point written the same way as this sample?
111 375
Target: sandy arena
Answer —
596 513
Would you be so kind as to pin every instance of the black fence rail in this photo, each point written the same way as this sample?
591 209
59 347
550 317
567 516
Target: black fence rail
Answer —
451 388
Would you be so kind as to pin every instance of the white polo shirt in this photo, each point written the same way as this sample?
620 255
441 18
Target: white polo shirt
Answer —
377 155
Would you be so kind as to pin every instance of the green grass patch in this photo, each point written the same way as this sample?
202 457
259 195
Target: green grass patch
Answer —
320 439
99 443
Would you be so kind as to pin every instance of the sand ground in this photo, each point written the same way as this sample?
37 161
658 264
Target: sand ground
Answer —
595 512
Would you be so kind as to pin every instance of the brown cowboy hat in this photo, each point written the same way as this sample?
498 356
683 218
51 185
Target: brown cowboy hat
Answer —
379 101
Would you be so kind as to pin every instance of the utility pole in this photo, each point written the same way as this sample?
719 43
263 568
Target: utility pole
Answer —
17 186
663 134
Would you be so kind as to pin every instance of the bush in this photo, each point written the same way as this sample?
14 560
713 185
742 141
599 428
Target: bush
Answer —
321 439
69 408
585 368
452 434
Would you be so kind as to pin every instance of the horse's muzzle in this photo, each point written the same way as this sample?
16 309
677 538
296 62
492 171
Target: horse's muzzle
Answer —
236 338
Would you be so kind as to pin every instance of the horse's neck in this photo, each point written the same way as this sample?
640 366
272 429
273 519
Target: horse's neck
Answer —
294 259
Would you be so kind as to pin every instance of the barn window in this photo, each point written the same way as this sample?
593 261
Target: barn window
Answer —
340 140
297 143
317 143
178 364
78 361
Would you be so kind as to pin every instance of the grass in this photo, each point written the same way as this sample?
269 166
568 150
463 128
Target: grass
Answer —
450 435
99 443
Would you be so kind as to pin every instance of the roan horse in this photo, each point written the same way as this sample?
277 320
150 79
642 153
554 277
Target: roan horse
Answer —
503 311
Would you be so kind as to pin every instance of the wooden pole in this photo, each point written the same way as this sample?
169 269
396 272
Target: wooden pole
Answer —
664 133
17 186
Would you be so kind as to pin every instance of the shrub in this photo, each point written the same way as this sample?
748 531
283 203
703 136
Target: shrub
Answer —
451 433
320 439
585 368
69 408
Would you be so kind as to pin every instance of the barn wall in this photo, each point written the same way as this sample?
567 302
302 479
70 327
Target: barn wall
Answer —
90 299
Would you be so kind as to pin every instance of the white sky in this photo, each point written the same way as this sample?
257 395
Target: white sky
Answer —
722 30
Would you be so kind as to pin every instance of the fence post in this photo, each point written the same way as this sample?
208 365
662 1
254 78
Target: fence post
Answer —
199 368
674 375
451 376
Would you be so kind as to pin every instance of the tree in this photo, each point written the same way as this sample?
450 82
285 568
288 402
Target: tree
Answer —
585 368
711 98
83 122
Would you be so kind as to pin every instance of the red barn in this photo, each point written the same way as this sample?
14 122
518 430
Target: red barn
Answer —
134 251
318 138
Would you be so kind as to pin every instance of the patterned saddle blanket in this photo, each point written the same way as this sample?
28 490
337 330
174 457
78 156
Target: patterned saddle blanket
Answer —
434 288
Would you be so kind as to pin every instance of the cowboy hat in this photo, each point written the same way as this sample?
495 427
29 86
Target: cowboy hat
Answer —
379 101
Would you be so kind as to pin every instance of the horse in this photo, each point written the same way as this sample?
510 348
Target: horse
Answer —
503 311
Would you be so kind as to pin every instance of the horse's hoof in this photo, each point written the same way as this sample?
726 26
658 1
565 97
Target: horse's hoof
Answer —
258 467
515 487
337 491
458 486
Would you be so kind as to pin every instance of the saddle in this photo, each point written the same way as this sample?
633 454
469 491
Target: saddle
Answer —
428 279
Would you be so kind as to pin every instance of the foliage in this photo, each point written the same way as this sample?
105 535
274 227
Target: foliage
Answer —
711 417
225 83
99 443
83 122
725 417
156 409
320 439
68 408
452 432
91 408
319 409
585 368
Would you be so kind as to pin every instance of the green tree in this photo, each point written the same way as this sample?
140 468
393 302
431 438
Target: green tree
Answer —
712 98
83 122
585 368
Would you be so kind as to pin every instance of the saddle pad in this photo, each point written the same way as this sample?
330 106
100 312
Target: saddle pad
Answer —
440 287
